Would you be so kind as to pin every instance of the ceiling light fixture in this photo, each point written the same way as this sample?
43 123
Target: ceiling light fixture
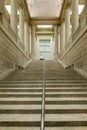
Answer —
44 26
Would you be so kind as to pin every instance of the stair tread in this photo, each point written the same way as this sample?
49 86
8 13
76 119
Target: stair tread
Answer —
65 98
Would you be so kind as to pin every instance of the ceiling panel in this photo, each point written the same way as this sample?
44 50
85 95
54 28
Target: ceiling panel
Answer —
45 8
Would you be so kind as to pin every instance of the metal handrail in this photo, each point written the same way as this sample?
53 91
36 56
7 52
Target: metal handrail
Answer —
43 103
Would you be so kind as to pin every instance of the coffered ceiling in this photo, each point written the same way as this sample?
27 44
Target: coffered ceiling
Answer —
45 8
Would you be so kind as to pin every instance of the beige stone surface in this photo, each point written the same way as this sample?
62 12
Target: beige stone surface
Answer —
66 117
20 117
66 128
25 107
20 128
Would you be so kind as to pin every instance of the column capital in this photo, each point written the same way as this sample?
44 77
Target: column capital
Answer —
68 5
58 29
62 20
21 5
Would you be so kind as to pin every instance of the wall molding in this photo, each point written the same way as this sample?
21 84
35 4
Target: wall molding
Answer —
74 42
13 41
5 73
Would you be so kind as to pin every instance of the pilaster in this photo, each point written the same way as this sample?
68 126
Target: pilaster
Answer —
75 16
67 25
56 41
21 24
62 38
14 15
33 42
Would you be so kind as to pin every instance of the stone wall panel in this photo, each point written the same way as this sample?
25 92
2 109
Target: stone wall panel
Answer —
10 54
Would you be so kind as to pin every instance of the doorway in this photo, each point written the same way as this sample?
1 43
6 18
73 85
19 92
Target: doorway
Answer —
45 49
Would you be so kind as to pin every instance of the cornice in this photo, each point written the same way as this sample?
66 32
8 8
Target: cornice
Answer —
67 3
43 21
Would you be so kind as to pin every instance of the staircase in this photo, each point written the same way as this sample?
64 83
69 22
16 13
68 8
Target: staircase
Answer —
44 96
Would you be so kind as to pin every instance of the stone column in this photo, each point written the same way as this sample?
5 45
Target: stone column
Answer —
75 16
14 15
1 6
21 24
62 38
33 42
26 36
1 10
85 4
29 45
67 25
56 41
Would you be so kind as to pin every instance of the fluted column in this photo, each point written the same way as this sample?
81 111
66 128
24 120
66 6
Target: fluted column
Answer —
26 36
67 25
21 24
1 10
56 41
86 5
33 42
14 15
62 38
1 6
29 45
75 16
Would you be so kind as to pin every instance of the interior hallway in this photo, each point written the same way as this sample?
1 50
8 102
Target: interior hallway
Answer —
61 92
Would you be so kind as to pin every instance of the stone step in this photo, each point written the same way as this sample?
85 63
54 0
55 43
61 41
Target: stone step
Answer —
74 92
20 117
65 102
47 99
21 85
21 95
23 111
65 128
66 106
22 99
66 117
65 95
64 90
66 99
21 107
66 111
64 124
20 128
20 90
20 82
20 102
51 81
40 95
66 86
48 124
47 111
40 90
